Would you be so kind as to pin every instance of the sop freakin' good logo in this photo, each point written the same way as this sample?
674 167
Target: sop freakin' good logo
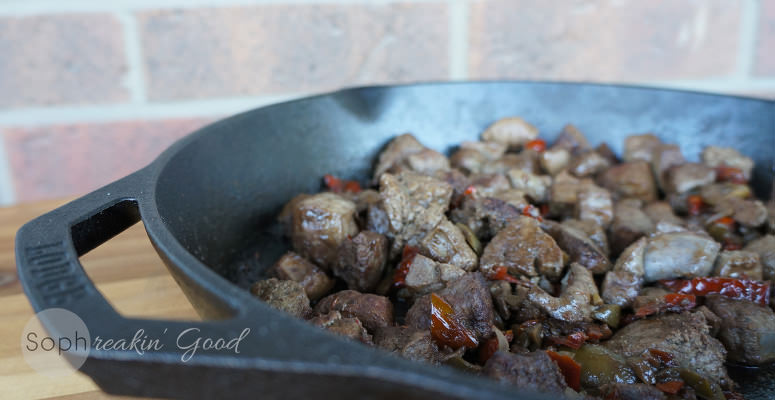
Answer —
59 351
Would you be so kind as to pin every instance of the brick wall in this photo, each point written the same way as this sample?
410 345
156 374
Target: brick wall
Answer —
90 91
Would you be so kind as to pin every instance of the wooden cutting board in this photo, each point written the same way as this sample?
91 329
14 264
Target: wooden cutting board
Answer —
126 270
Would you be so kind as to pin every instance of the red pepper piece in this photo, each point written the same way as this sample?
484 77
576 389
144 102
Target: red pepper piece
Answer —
501 273
337 185
352 187
575 340
470 191
538 145
445 329
675 302
663 356
544 208
671 387
570 369
399 276
730 174
509 335
531 211
727 221
487 349
694 204
740 289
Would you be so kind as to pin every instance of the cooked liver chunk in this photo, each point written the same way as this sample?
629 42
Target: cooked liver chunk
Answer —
571 139
715 156
511 131
685 177
738 264
405 152
588 164
361 260
321 223
595 204
373 311
411 343
414 205
640 147
347 327
294 267
630 224
765 247
530 371
534 186
628 391
471 156
524 249
633 179
686 336
426 276
469 297
748 213
286 296
578 246
679 254
748 330
622 284
446 244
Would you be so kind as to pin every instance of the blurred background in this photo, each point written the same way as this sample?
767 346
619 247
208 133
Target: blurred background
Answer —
91 90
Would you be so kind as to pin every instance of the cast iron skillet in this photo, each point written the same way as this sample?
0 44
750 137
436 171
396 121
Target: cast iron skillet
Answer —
208 204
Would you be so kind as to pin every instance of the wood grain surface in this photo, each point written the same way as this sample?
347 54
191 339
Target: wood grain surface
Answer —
126 270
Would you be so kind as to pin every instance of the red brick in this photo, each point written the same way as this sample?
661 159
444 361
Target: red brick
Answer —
64 160
63 59
291 48
610 40
765 43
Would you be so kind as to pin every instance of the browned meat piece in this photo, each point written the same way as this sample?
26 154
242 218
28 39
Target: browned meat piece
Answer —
426 276
765 247
469 297
594 204
406 153
409 343
607 153
573 305
665 157
686 336
526 160
529 371
294 267
486 216
738 264
661 211
716 193
685 177
364 199
489 184
578 246
347 327
534 186
456 179
713 320
414 205
285 217
377 219
595 232
714 156
572 140
320 223
511 131
632 179
472 155
285 296
563 194
630 224
649 295
361 261
446 244
631 391
588 164
748 213
679 254
622 284
640 147
554 160
748 331
524 249
373 311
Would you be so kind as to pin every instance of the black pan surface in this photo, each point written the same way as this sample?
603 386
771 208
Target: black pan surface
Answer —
208 204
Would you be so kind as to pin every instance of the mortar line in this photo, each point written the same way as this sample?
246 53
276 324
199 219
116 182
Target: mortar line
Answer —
7 190
458 39
135 77
131 111
33 7
749 25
